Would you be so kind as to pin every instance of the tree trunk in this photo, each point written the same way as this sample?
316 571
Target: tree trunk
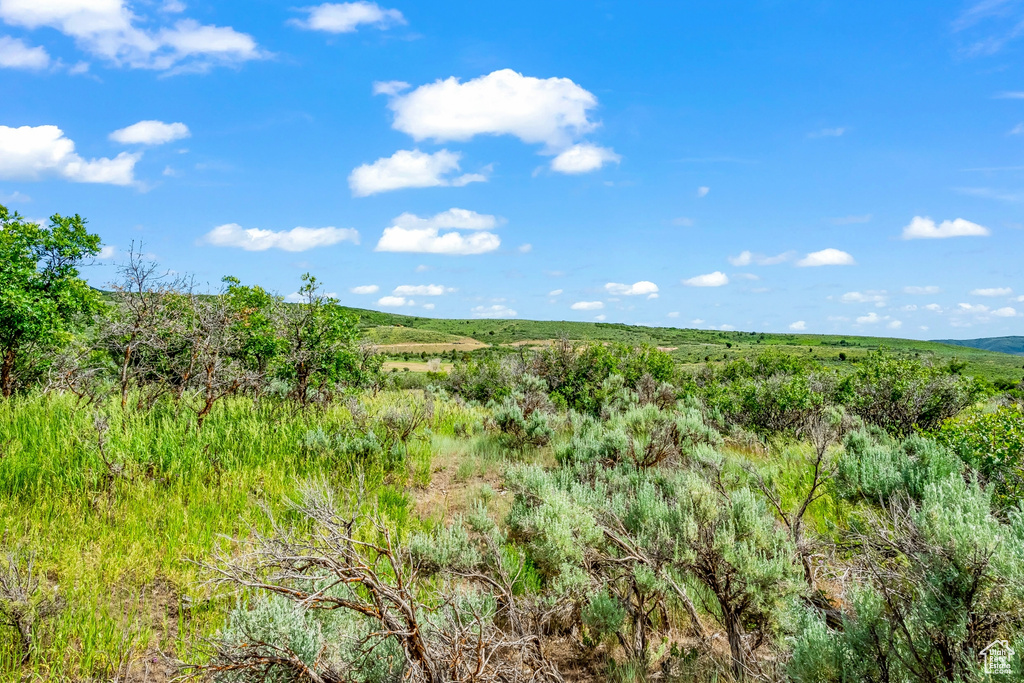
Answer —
7 372
735 632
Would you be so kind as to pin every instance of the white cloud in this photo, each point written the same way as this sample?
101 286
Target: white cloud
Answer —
15 54
111 30
977 309
395 301
798 326
826 257
108 252
296 239
746 258
365 289
925 228
1005 312
495 311
992 291
525 248
869 297
584 158
32 153
929 289
934 308
697 321
410 233
422 290
869 319
909 307
410 168
555 292
673 314
587 306
428 306
703 191
150 133
715 279
389 88
895 325
346 17
549 111
600 318
1021 298
642 288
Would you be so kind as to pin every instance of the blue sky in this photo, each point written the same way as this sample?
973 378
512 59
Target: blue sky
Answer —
850 168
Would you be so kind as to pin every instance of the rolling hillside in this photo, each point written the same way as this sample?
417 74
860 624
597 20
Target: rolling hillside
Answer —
1011 345
688 346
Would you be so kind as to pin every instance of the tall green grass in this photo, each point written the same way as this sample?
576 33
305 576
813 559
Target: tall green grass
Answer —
114 515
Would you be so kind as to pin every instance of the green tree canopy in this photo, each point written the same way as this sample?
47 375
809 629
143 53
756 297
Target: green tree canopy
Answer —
40 291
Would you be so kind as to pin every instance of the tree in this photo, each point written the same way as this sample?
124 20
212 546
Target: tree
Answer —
319 340
41 294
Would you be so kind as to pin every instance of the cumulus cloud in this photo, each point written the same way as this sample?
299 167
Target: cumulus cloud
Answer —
826 257
798 326
746 258
928 289
1005 312
111 30
495 311
925 228
107 252
347 17
934 308
584 158
673 314
715 279
587 306
421 290
410 168
703 191
394 301
410 233
642 288
869 297
555 292
365 289
977 309
549 111
150 133
992 291
895 324
32 153
869 319
296 239
15 54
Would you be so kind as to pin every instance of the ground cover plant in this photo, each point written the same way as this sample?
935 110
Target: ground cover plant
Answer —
223 486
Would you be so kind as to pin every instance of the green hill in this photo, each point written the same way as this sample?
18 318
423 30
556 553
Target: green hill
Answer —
1012 345
689 346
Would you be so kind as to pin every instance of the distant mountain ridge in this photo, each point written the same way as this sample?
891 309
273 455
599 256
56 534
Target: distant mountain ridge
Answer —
1011 345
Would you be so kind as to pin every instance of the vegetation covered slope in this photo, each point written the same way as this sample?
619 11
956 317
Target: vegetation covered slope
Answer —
691 346
1011 345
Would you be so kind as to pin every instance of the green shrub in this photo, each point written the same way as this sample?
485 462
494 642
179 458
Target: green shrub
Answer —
993 444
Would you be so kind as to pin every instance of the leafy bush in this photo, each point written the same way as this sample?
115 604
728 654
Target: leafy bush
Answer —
943 579
993 444
878 468
900 394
